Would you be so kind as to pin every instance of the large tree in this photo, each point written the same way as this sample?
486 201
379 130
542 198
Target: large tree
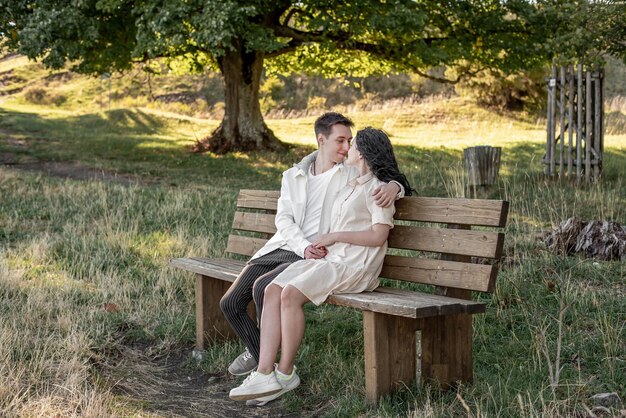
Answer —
239 37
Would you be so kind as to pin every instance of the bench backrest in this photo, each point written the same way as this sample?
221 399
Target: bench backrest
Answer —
424 226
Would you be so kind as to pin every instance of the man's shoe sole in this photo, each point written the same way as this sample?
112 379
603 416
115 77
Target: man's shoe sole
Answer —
241 373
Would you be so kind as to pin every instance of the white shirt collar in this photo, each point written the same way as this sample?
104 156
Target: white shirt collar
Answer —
362 179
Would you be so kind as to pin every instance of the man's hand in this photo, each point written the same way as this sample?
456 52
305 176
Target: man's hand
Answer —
313 252
385 195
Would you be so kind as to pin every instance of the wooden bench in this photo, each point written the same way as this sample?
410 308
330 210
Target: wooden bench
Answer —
433 243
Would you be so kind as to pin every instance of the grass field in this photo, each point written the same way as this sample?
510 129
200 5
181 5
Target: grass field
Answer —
84 280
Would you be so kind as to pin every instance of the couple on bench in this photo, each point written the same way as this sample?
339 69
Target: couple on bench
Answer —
334 215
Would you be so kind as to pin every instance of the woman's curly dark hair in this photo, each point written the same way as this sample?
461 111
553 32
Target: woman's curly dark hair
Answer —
375 146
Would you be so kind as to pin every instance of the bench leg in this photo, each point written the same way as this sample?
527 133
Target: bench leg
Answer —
390 352
210 322
446 343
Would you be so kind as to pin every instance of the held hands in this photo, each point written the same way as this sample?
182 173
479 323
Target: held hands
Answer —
313 252
318 248
385 195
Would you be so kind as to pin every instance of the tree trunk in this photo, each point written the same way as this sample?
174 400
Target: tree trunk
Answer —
243 127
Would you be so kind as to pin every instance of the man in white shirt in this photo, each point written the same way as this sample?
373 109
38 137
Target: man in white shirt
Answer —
308 191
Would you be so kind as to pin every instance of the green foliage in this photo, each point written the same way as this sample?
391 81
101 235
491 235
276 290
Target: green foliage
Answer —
357 38
57 32
583 31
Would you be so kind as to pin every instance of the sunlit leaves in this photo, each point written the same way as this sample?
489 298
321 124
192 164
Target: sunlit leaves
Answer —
316 59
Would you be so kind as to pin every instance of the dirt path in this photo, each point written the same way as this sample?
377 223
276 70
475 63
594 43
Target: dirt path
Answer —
14 158
174 388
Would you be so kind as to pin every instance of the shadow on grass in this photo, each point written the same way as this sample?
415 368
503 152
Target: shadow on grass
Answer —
134 142
115 121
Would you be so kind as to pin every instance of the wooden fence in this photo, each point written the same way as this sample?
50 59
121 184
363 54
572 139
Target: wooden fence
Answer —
575 123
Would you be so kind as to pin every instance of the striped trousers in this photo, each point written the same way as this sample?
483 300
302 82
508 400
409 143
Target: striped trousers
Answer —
250 285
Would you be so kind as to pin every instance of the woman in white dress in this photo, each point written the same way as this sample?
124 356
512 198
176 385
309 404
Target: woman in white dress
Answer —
355 249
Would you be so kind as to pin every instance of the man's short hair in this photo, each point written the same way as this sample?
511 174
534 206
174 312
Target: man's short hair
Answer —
324 124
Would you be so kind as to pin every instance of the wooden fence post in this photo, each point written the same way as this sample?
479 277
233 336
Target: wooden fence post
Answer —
570 119
588 128
597 123
561 120
579 122
551 123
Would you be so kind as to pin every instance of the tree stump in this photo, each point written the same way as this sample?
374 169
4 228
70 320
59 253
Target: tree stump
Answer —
602 240
482 164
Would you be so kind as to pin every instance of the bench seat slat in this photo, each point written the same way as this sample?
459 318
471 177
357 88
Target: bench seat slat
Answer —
449 241
387 300
219 268
479 277
389 304
406 303
446 304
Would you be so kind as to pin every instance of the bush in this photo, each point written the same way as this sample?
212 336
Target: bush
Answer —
493 88
40 96
388 86
36 95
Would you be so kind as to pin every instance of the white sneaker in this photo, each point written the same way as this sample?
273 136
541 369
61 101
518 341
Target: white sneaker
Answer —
256 385
288 383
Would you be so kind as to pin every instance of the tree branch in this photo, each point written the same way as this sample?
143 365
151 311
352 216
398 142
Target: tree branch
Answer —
461 76
289 32
290 47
